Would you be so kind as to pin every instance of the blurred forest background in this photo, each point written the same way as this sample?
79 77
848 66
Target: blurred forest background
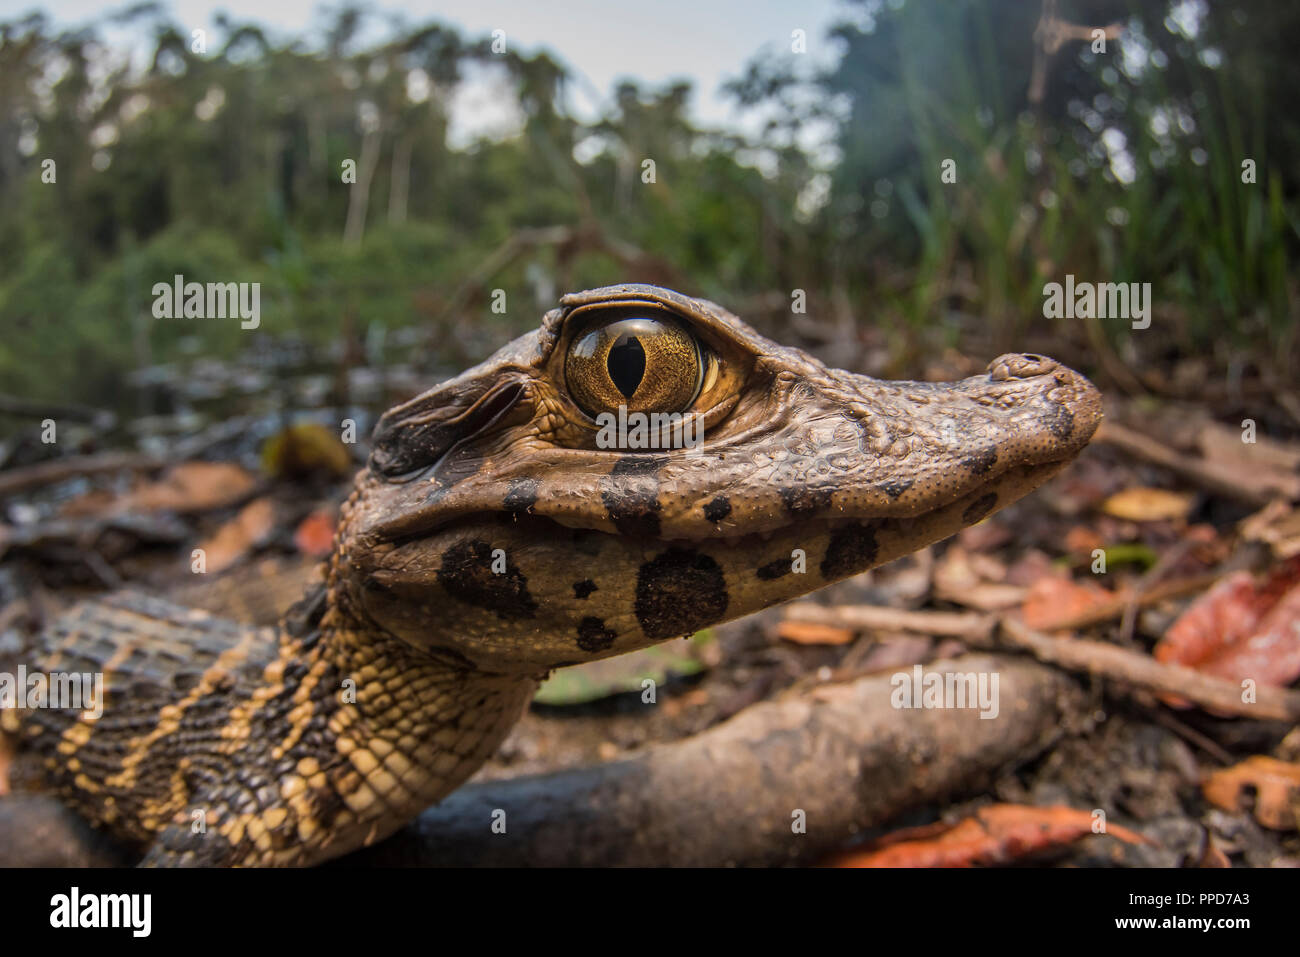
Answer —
226 166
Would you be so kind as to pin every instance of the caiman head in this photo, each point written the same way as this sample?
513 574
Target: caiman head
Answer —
514 520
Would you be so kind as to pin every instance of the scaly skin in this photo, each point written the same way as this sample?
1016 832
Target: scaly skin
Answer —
388 687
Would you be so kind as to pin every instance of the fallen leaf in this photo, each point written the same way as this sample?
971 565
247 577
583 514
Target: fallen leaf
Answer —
1032 565
1276 787
811 633
1051 600
974 580
593 680
192 487
1083 539
314 535
304 449
1130 553
994 835
1278 526
1142 504
1240 629
6 759
236 538
1213 855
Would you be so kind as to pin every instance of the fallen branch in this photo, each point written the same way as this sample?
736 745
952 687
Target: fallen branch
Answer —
840 753
73 466
947 624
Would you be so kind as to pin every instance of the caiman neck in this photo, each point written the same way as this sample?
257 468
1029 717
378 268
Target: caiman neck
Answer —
406 728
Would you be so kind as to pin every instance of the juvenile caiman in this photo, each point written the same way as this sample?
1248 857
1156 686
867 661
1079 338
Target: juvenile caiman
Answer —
491 538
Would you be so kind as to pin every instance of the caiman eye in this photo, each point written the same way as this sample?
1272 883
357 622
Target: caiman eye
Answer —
648 365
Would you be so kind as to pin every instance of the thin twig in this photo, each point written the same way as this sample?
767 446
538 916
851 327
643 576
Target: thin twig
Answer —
47 473
1255 486
1119 664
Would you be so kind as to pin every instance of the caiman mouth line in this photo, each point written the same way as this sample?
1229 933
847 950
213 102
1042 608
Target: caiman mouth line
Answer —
545 527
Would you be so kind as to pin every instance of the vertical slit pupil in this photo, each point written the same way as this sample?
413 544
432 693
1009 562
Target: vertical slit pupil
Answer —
626 364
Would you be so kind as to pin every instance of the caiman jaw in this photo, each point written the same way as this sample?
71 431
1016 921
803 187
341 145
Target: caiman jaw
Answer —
489 506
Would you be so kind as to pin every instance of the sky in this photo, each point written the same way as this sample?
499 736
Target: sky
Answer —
705 41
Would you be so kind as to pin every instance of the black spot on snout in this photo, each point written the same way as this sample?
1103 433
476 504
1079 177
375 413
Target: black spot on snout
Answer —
521 495
718 509
466 574
895 487
852 549
631 495
773 570
1061 421
678 593
593 635
583 588
803 502
979 508
981 461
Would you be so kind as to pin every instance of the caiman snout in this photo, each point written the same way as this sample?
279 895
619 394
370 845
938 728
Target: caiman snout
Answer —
1076 403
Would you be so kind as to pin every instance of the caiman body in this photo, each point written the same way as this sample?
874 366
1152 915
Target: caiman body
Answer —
491 538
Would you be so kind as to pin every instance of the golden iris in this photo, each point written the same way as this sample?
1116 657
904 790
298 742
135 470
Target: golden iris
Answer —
648 365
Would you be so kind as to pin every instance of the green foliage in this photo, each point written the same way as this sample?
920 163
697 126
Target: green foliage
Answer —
1039 193
228 166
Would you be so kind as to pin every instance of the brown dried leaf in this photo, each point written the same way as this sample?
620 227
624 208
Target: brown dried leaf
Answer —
1213 855
1276 785
192 487
1278 526
998 834
1240 629
6 759
252 527
1082 539
975 580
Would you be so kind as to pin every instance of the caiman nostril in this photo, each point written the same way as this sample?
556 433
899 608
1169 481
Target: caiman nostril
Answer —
1020 366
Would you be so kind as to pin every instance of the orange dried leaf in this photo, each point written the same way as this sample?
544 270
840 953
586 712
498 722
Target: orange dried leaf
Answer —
1082 539
1239 630
233 540
1276 785
810 633
1142 504
6 759
998 834
1052 600
314 535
